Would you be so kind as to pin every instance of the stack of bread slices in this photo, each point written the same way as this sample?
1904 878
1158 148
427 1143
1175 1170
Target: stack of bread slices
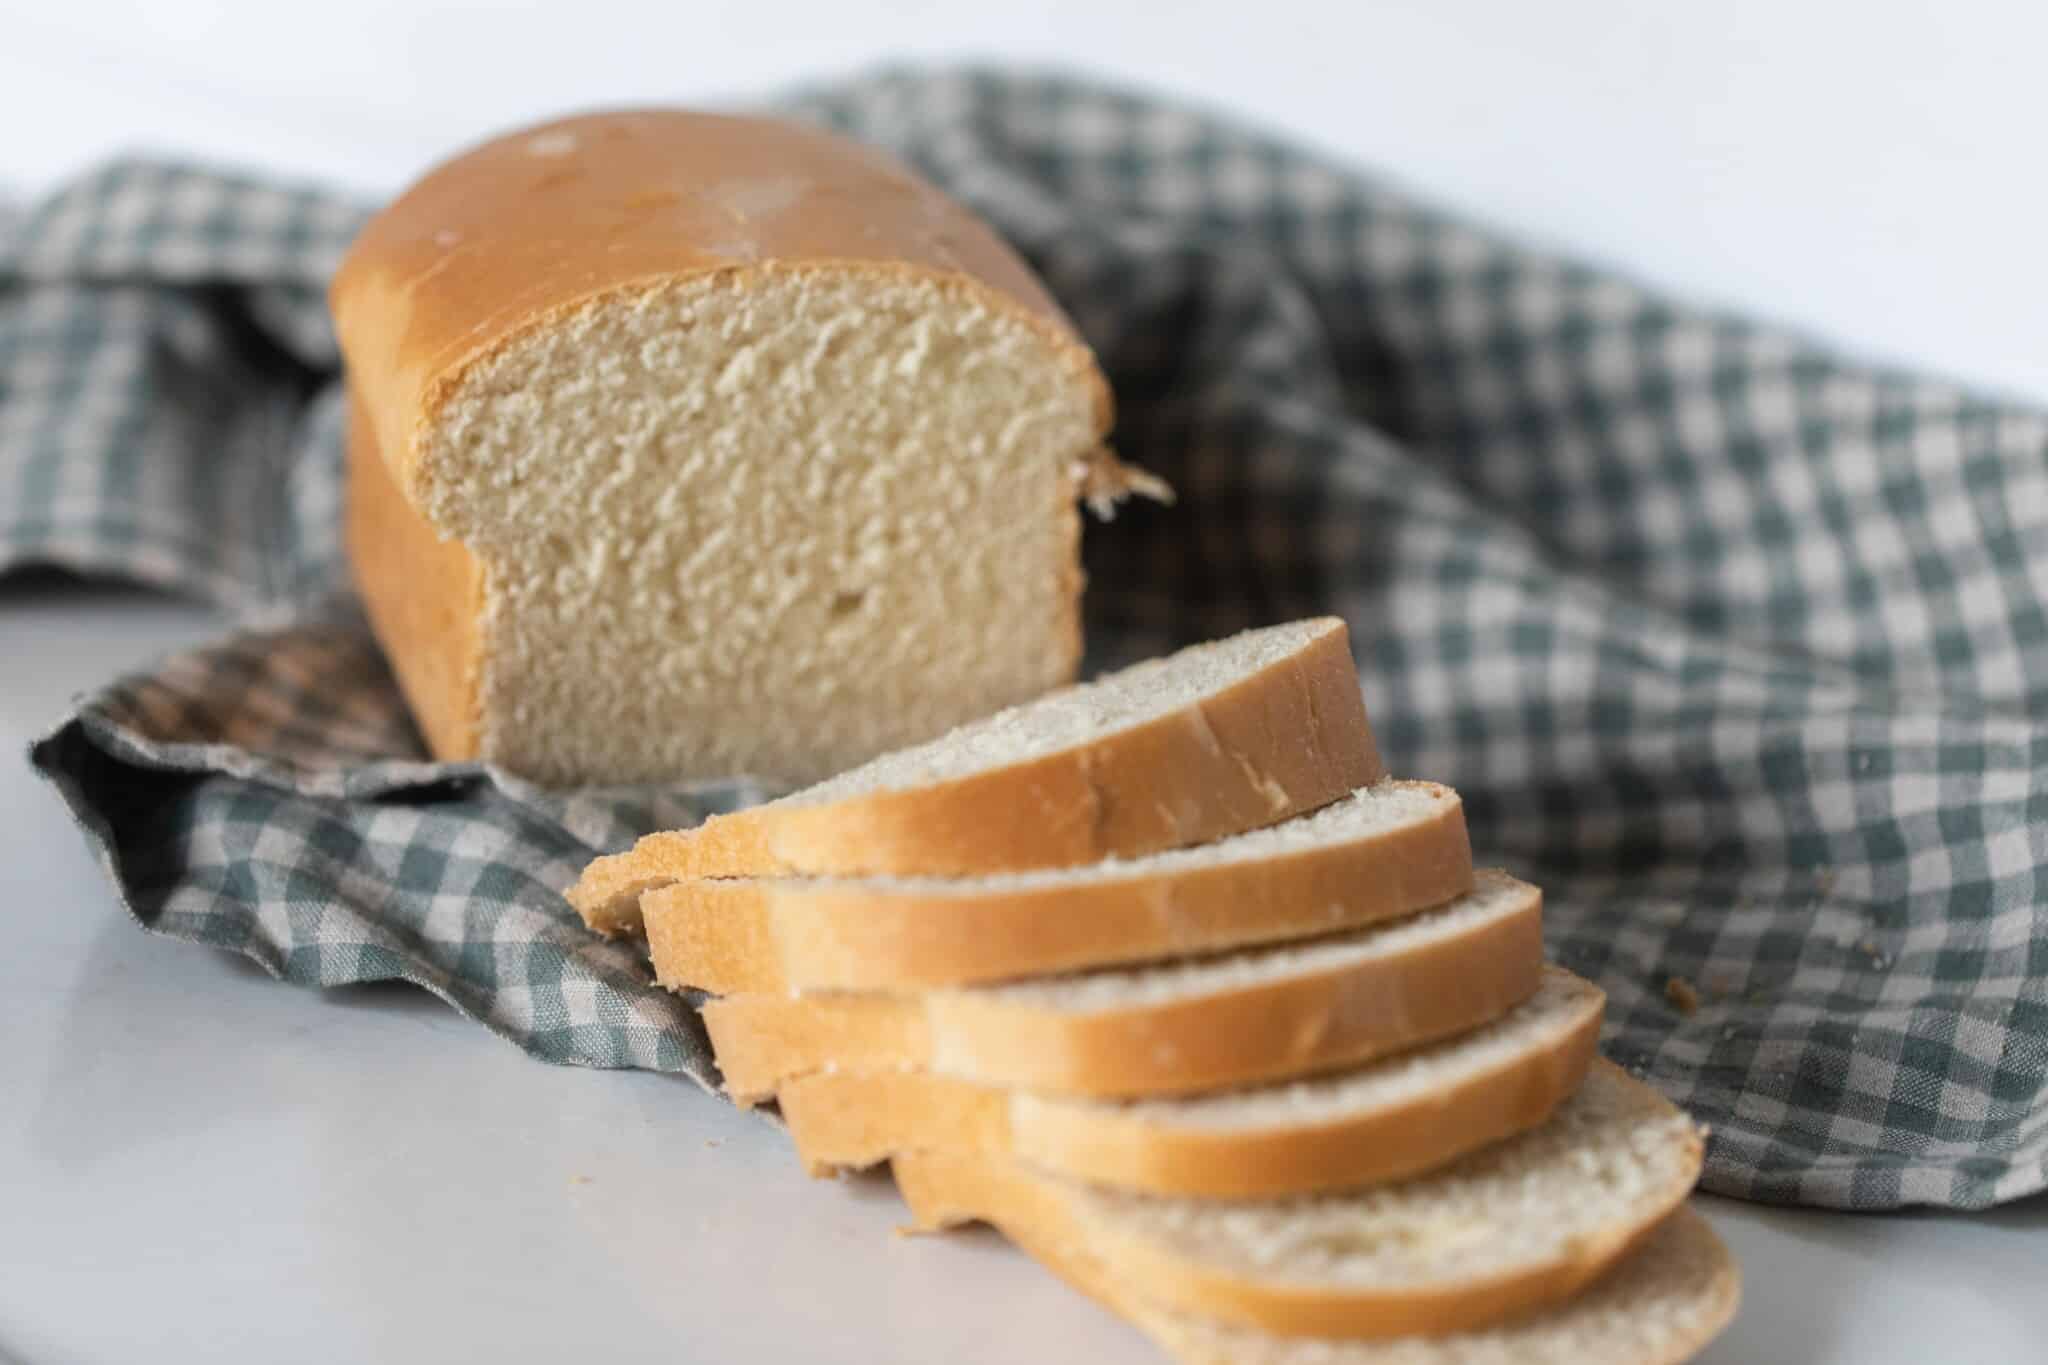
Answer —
1165 978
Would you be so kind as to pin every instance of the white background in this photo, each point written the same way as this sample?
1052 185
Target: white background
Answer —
1872 172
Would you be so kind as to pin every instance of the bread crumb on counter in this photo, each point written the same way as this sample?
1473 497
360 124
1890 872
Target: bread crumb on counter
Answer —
1683 995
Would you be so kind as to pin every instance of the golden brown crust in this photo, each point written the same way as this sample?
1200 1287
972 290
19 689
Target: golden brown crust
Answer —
1265 1030
523 230
852 1119
951 1187
733 935
423 595
1284 740
541 221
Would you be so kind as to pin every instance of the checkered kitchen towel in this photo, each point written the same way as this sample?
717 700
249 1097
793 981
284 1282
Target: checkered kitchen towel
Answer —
1739 648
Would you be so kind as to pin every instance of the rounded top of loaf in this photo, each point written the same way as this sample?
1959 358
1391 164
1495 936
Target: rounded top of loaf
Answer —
536 222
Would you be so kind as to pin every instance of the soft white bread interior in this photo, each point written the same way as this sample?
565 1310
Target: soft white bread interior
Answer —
1661 1305
1376 1123
1517 1226
1173 1028
1212 741
688 446
1382 852
768 522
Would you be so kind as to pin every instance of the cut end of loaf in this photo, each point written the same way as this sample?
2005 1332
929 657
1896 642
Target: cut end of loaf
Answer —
770 521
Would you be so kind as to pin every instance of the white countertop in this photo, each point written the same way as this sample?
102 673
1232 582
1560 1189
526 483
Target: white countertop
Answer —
200 1163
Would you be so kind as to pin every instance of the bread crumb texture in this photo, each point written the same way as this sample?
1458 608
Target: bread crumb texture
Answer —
770 522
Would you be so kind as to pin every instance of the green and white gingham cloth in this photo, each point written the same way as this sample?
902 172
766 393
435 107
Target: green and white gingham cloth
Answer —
1740 649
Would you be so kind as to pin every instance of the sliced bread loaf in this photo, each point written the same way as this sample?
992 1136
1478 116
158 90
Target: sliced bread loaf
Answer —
1660 1306
1384 851
1217 739
1376 1123
1261 1014
684 445
1518 1226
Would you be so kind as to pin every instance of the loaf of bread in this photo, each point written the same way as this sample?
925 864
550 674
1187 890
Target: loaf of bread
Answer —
684 446
1264 1065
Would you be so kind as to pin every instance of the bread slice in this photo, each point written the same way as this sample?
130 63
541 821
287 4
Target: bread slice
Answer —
1661 1305
1212 741
1519 1226
1377 1123
684 445
1256 1015
1383 852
